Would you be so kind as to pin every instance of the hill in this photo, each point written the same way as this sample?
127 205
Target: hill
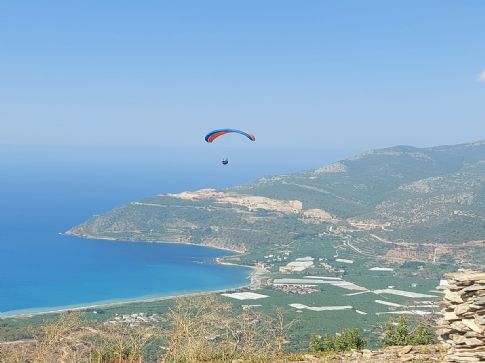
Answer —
409 199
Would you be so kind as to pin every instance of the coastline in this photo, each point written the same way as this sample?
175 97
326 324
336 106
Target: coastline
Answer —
36 312
254 281
104 238
255 276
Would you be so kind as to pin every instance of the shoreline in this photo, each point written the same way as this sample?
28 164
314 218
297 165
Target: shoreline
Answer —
255 276
28 313
104 238
254 281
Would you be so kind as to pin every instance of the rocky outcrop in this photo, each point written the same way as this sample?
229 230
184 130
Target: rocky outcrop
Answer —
462 327
427 353
251 202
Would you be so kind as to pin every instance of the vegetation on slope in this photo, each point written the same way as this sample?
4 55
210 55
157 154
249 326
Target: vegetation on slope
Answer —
400 194
196 329
202 329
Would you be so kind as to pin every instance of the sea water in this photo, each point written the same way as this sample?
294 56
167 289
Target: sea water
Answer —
46 191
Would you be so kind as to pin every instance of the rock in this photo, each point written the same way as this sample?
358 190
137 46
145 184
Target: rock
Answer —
472 334
451 317
459 326
458 339
474 288
474 342
409 358
468 276
406 349
480 320
453 297
475 351
463 324
480 301
455 358
468 315
472 325
461 309
443 331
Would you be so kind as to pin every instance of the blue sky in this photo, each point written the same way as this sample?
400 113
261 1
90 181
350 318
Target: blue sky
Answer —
299 74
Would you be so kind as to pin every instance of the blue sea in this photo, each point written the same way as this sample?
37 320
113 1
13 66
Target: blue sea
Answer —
44 191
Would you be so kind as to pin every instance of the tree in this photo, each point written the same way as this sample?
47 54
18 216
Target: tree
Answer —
422 335
347 340
404 333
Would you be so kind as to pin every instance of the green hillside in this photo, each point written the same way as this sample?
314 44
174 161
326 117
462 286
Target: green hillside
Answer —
404 195
427 195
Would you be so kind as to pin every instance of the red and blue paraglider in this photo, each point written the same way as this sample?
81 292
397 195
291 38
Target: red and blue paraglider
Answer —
213 135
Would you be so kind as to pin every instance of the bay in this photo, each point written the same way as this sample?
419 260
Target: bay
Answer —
44 191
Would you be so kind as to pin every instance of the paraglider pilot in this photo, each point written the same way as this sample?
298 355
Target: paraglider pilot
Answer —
211 136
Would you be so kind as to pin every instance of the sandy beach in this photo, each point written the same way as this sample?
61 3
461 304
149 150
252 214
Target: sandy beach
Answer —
253 283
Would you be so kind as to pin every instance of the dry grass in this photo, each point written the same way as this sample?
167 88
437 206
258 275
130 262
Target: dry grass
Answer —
205 330
198 329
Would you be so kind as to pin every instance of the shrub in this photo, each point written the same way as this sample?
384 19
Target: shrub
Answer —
204 329
347 340
404 333
422 335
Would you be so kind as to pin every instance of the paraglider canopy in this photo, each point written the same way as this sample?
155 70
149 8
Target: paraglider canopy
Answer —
211 136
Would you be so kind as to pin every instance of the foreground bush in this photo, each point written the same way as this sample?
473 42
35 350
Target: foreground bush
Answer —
197 329
209 331
402 332
347 340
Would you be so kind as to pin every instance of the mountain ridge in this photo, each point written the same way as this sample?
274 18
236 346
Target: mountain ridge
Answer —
403 193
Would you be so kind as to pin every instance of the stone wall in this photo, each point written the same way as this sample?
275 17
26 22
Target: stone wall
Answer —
462 327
